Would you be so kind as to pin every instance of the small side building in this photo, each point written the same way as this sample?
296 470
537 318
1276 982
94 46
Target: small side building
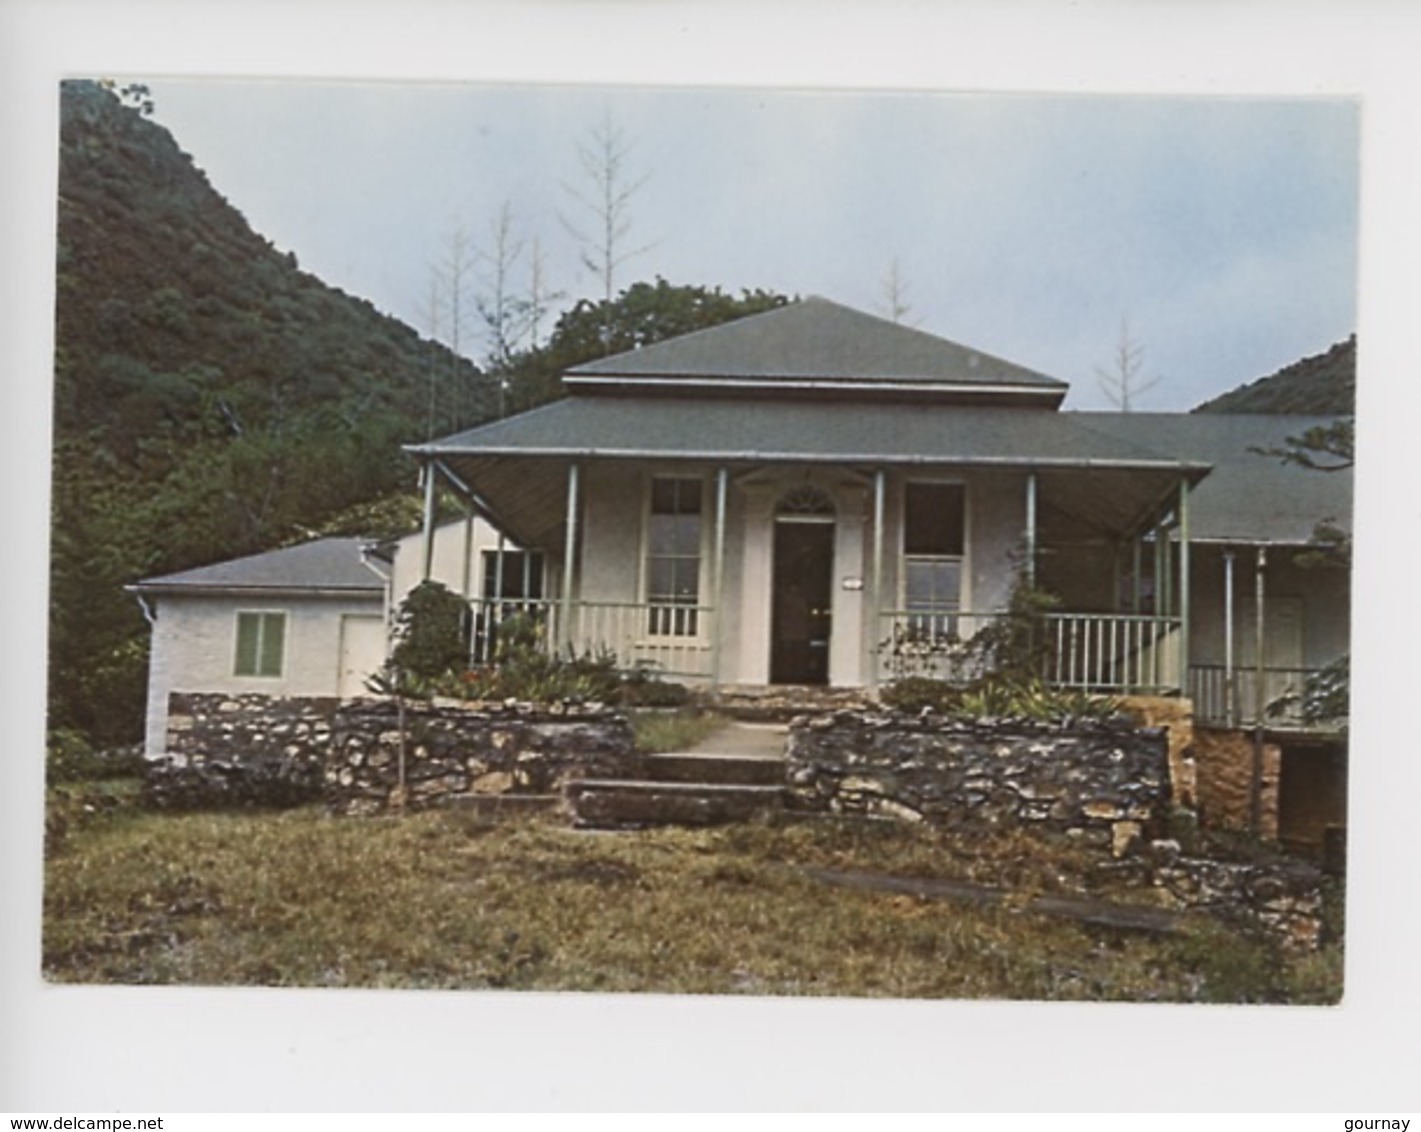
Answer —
305 620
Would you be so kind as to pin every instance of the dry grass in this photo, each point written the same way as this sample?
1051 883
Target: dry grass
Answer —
660 731
445 900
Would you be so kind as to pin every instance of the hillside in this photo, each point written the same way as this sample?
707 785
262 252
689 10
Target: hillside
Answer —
210 398
1321 385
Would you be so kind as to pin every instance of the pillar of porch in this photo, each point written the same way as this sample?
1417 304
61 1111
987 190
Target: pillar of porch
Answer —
757 571
722 484
846 642
1031 530
427 545
1230 708
875 600
1183 526
568 556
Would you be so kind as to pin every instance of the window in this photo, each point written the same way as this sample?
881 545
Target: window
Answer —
934 517
673 557
261 644
521 576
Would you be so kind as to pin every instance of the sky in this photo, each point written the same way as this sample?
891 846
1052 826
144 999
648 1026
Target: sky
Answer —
1224 227
1218 235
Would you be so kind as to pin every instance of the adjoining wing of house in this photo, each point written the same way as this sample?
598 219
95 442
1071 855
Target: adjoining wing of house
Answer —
308 620
817 496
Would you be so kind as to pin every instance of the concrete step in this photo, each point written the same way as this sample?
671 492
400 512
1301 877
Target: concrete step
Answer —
636 803
713 769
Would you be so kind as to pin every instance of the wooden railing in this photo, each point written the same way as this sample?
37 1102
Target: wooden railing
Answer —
668 639
1104 652
1210 686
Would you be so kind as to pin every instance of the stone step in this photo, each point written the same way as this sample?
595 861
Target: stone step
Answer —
713 769
636 803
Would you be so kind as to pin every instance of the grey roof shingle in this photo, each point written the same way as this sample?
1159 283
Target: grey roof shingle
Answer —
1248 497
328 564
817 431
815 340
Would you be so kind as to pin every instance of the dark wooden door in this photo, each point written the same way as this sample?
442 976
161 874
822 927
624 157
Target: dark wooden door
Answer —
800 605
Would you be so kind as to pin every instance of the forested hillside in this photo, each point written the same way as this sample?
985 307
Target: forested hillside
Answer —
1322 385
210 399
213 400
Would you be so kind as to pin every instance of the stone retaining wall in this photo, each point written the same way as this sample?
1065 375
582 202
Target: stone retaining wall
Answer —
456 750
1105 783
255 750
1282 899
1225 760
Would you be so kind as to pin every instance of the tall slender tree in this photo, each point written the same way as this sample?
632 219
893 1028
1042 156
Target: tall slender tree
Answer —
605 197
1123 380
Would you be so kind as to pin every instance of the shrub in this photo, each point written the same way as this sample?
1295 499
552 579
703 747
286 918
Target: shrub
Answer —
431 631
996 697
69 757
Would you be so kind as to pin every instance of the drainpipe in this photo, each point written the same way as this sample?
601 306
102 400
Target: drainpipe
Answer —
722 477
149 614
1255 785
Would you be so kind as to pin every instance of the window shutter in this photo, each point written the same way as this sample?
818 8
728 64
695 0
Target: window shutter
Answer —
272 643
248 630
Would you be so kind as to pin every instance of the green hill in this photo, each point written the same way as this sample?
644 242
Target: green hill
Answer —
210 398
1322 385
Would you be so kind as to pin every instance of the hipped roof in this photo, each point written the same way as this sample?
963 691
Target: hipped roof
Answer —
517 467
332 566
817 344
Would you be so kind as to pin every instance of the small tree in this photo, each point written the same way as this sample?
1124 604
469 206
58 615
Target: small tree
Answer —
1326 694
431 632
1124 379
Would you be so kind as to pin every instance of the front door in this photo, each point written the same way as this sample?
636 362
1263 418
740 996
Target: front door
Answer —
800 608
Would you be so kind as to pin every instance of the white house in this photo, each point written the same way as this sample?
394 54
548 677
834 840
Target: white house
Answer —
817 496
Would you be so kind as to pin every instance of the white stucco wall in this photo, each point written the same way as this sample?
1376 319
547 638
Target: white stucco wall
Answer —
195 643
612 550
456 562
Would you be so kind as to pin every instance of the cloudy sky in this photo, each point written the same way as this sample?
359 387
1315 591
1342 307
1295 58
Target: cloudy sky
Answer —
1221 231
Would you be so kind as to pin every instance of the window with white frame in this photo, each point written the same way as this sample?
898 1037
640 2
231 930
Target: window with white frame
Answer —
673 556
261 644
934 526
512 574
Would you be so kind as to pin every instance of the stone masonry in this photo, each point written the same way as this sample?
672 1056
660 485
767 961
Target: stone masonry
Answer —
254 750
1105 782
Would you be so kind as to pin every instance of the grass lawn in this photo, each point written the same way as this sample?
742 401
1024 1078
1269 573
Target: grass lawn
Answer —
444 899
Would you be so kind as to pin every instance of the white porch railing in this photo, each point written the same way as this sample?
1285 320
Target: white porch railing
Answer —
1282 688
668 639
1105 652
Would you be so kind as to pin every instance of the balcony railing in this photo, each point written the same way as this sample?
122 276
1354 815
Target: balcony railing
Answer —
1232 699
668 639
1101 652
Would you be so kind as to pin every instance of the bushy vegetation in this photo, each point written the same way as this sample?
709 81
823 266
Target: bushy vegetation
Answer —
430 658
996 698
994 673
70 757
